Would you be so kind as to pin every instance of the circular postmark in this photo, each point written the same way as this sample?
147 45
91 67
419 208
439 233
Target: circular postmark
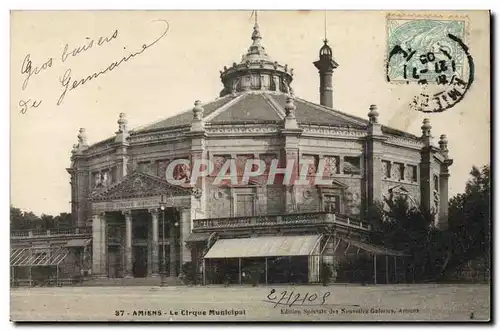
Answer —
431 54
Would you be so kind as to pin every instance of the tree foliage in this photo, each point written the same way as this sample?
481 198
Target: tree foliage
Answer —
26 220
435 253
470 219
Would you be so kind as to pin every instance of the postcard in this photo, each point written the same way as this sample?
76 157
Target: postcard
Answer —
244 166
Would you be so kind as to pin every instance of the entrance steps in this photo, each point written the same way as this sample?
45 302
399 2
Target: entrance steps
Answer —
140 281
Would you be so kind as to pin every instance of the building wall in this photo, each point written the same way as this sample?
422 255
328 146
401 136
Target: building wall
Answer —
153 157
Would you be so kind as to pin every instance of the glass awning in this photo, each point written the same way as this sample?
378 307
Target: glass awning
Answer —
29 257
373 249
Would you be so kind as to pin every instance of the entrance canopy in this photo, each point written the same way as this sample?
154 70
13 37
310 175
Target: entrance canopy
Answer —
197 237
264 247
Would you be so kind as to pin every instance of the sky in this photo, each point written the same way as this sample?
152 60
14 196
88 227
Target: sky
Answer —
184 66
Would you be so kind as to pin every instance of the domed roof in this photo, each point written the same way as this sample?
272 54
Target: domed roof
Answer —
259 107
325 50
256 71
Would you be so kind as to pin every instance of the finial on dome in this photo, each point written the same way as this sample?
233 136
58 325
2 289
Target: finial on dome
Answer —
426 128
122 123
373 114
256 32
198 110
290 108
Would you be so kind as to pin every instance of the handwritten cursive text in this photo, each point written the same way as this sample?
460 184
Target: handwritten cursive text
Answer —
292 298
70 84
88 45
28 69
25 104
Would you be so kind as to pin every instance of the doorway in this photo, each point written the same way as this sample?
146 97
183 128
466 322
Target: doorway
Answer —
140 265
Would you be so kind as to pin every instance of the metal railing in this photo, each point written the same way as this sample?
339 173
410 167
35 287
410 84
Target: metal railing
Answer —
276 220
51 232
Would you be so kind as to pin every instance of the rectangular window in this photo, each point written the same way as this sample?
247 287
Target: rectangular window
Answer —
331 203
312 161
413 173
352 165
386 169
331 166
244 205
399 171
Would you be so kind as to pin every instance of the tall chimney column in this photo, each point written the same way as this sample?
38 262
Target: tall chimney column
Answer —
325 65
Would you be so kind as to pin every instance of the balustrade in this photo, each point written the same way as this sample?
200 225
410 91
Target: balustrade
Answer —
50 232
288 219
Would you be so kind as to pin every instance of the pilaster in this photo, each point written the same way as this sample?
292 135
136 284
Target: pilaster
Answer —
121 141
291 138
443 183
374 151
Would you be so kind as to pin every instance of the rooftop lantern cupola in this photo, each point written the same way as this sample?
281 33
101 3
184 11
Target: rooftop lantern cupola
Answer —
256 71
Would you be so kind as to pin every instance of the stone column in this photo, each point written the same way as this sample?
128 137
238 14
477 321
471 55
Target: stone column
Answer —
185 230
98 246
154 242
104 233
173 244
427 156
128 243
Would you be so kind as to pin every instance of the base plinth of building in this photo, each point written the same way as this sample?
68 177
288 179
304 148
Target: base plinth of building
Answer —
99 276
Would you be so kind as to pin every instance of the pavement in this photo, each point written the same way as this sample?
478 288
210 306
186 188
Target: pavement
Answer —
415 302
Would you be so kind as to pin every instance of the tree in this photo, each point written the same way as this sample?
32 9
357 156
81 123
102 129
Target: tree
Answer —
63 220
470 219
434 252
47 221
20 220
16 219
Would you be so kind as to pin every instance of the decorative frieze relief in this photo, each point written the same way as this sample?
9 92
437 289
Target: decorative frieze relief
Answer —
331 131
260 128
402 141
156 136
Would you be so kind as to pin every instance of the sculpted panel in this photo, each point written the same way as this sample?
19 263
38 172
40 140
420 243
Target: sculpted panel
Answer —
219 202
275 199
308 199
